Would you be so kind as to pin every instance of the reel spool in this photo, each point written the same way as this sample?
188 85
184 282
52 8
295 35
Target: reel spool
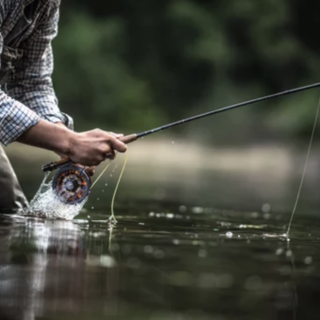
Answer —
71 184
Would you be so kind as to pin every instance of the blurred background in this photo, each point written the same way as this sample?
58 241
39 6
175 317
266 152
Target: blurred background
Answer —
129 66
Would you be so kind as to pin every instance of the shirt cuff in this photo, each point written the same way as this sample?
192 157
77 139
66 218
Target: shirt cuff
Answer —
60 117
16 120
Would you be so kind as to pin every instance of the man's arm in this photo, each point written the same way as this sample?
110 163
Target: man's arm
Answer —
87 148
17 122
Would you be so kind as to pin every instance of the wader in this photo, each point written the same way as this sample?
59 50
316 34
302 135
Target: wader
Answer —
12 199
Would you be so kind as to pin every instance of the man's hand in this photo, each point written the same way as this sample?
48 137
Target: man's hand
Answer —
90 170
93 147
86 148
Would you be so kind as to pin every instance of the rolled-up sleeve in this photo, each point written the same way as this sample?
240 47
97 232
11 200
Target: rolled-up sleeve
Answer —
32 84
15 119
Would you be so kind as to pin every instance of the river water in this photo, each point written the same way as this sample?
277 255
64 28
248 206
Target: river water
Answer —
201 245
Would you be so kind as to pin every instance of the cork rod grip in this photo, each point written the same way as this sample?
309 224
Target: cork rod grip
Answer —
129 138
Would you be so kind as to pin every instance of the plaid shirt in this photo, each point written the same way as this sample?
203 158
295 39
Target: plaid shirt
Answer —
29 93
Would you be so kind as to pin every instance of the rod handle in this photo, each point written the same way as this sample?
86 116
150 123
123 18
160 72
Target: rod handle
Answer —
57 164
129 138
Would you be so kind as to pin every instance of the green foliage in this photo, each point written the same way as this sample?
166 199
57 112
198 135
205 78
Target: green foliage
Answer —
93 82
134 65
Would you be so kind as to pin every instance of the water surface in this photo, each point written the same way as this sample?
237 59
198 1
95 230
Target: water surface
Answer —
195 240
161 261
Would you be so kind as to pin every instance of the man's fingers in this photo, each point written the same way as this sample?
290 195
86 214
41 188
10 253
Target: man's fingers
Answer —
92 147
118 145
116 135
91 171
110 155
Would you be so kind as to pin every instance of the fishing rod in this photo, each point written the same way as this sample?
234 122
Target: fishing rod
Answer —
72 183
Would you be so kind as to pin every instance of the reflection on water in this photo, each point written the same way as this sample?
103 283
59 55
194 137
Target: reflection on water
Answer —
176 263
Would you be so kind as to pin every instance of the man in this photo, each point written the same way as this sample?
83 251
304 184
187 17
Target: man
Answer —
28 105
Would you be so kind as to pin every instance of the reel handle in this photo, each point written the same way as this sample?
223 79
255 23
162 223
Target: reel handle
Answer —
57 164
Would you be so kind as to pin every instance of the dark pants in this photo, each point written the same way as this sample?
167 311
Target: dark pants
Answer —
12 199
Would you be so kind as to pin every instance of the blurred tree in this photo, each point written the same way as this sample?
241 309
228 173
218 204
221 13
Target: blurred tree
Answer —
135 65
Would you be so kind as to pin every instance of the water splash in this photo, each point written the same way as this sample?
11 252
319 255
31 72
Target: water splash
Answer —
46 204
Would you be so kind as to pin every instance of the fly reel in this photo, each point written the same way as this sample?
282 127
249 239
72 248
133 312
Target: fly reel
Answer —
71 184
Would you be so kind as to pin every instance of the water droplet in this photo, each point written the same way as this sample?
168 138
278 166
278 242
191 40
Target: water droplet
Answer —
148 249
267 216
176 242
98 199
254 215
308 260
106 184
229 234
110 175
107 261
202 253
172 142
159 254
92 208
279 251
266 208
289 253
197 210
182 208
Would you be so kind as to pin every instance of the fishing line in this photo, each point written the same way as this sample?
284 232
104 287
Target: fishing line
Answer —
117 185
116 189
305 168
101 174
